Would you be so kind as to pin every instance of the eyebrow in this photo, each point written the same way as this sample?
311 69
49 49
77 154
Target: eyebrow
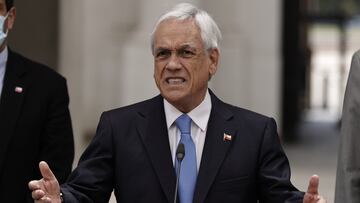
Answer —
185 46
160 49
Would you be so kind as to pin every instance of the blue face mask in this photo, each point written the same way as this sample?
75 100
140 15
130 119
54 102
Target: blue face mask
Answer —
3 34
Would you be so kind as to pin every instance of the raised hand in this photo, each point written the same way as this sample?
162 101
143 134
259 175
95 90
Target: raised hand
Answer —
312 194
46 190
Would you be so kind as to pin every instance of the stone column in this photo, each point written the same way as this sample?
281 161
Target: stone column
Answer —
92 36
249 74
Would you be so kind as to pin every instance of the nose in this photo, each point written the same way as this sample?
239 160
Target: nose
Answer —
174 63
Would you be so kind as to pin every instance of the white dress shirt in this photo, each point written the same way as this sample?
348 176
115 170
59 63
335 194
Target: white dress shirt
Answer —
199 116
3 60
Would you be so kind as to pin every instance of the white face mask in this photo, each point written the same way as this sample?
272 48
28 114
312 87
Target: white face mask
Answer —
3 34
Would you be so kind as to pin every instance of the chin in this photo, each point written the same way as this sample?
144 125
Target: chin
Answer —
173 96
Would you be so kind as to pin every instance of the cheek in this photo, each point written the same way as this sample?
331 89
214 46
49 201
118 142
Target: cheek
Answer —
158 72
200 74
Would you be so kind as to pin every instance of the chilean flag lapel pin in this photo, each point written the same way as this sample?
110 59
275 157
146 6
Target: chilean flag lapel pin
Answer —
227 137
19 89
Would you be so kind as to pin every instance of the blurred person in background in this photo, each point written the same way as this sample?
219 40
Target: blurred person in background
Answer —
348 169
34 118
231 154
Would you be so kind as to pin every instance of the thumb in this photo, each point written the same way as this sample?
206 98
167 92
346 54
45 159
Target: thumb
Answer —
45 171
313 185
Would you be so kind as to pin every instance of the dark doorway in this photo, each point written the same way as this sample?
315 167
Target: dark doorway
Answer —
315 31
295 63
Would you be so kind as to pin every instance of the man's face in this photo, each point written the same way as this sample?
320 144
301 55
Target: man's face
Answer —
182 65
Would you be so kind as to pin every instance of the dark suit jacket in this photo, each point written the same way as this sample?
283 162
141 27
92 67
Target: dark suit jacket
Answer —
34 125
130 153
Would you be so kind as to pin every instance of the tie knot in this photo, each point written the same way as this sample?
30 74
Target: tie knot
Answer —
183 122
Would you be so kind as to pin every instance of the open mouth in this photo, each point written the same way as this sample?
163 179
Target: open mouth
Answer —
175 81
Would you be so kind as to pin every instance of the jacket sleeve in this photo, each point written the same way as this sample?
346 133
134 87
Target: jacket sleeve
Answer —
92 180
274 170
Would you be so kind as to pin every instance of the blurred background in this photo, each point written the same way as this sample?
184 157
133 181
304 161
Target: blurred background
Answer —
285 59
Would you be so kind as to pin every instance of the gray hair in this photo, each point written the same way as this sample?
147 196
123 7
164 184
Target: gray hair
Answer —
210 32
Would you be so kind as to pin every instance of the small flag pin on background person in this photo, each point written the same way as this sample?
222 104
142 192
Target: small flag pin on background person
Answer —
227 137
18 89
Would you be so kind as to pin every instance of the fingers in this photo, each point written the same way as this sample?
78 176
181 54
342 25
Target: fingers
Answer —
37 194
46 172
313 185
322 200
312 194
309 198
34 185
43 200
46 189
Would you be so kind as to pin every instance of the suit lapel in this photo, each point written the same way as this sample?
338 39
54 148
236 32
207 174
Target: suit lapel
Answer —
215 148
11 101
154 135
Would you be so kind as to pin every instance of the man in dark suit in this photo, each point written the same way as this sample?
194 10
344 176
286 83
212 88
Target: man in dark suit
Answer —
34 118
231 154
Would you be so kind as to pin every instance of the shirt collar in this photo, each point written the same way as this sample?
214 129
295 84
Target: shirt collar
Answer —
199 115
3 57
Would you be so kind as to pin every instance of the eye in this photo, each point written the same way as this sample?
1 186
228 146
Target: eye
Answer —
186 53
163 54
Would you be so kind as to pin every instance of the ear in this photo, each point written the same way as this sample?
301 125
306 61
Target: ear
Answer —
214 55
11 18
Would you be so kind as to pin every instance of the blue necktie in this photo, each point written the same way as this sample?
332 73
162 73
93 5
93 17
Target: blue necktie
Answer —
188 172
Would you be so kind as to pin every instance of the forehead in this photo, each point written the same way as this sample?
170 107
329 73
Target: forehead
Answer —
175 32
